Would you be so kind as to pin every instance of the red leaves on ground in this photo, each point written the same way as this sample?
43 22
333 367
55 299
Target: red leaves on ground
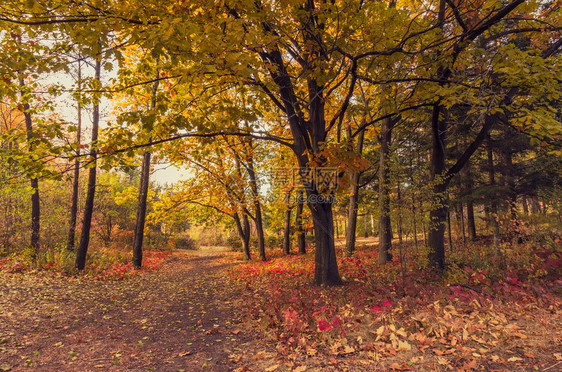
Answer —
324 325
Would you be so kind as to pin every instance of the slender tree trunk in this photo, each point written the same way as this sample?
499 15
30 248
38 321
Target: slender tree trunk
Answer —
76 180
143 191
470 204
353 201
287 228
365 226
337 223
413 205
449 231
301 237
352 217
535 206
345 227
399 200
461 215
414 227
385 229
493 203
34 182
422 214
243 228
89 207
471 224
525 205
257 205
514 225
141 210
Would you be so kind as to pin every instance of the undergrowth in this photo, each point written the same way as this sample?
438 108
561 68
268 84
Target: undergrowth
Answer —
381 311
102 263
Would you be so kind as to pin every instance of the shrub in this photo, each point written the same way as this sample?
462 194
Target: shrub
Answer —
273 241
185 242
234 242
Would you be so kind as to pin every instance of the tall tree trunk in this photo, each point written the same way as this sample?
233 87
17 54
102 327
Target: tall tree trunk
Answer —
414 227
471 223
34 182
422 214
438 212
385 229
399 207
514 225
287 227
143 191
353 200
449 231
365 226
337 223
470 204
309 132
351 222
460 211
89 207
301 238
525 205
75 183
493 203
141 210
257 205
535 206
243 228
345 227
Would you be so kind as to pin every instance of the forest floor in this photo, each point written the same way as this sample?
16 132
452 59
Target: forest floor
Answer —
194 314
183 316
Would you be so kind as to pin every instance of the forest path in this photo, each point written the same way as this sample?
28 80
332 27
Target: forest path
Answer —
183 316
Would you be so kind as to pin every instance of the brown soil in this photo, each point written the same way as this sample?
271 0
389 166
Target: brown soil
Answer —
181 317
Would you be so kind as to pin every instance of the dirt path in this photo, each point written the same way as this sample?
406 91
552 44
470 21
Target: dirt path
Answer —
182 317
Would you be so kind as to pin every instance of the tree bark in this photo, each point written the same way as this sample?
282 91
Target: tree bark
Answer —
514 228
413 205
326 266
460 212
385 229
471 224
309 133
243 228
257 205
399 207
141 210
34 182
301 238
89 207
450 236
76 181
143 192
525 205
287 227
493 203
337 223
353 203
438 212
